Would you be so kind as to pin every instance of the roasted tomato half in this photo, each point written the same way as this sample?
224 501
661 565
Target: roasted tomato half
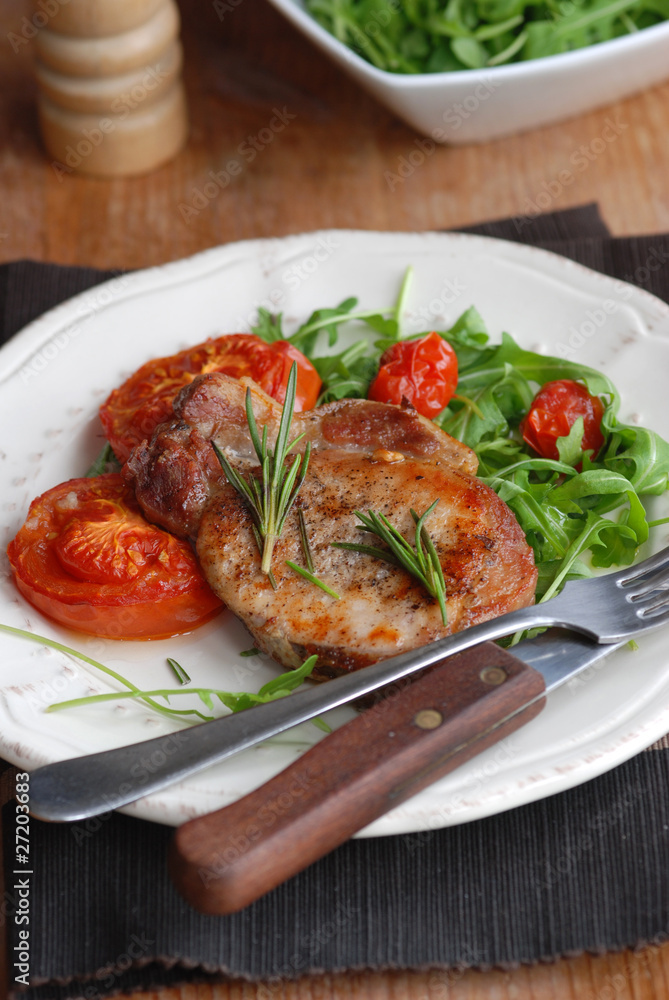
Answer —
88 558
554 411
424 371
135 409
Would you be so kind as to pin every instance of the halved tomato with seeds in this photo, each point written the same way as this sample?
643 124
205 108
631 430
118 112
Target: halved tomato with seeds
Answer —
134 410
88 558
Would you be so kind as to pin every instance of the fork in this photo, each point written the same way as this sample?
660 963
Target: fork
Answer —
608 609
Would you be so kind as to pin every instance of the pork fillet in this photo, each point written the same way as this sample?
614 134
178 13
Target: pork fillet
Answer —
175 473
488 566
365 456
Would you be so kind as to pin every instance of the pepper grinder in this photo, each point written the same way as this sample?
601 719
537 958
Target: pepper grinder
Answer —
110 98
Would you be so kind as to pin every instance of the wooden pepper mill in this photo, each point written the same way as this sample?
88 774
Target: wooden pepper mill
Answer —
111 101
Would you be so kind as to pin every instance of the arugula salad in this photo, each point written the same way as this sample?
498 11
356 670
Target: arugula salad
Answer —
437 36
582 504
579 511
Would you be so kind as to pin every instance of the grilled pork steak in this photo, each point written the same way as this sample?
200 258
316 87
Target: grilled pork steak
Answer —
175 473
366 456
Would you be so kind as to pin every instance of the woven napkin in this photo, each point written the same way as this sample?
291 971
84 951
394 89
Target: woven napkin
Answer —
585 870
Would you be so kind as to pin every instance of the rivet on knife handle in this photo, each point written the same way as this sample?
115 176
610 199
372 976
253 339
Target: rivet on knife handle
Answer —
225 860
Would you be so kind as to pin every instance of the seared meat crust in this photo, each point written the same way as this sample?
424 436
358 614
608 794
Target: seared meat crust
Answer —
365 456
175 473
382 610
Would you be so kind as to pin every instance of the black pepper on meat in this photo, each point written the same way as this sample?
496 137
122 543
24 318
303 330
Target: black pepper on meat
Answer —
364 456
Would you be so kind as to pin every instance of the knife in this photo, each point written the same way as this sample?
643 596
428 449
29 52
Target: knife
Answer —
82 787
420 731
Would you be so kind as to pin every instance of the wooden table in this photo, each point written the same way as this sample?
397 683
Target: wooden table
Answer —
327 168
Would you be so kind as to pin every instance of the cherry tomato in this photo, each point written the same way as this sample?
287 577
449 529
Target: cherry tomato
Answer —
424 371
135 409
555 409
87 558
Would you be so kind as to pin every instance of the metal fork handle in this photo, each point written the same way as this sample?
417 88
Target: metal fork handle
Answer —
88 786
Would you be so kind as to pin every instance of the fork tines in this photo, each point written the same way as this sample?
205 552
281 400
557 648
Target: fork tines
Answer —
651 574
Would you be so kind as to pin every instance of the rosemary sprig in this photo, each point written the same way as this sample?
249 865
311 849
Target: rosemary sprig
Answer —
304 539
270 497
421 560
106 461
181 674
308 573
312 578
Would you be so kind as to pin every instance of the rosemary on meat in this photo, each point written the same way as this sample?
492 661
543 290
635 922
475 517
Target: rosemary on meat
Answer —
270 496
304 539
308 573
312 578
421 559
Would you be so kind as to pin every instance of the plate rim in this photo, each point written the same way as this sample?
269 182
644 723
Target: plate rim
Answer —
40 331
37 333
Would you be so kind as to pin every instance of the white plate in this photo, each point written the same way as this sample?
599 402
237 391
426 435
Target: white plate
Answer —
55 374
477 105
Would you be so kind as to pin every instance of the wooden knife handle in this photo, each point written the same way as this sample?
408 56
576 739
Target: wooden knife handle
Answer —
423 729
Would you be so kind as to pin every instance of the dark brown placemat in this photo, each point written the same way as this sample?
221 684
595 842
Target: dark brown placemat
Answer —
586 870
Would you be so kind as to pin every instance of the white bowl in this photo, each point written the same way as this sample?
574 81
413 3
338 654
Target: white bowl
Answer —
478 105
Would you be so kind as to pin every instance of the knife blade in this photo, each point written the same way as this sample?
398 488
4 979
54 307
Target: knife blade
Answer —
225 860
88 786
